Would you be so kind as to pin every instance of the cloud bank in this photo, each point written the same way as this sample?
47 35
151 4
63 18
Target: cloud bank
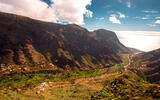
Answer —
71 11
142 40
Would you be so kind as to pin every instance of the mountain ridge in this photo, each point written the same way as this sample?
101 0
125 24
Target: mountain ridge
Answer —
29 42
150 62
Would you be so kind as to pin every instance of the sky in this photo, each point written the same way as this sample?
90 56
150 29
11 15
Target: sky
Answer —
125 15
136 22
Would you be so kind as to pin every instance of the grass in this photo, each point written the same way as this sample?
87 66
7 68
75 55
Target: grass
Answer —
77 92
116 68
125 59
120 67
21 86
16 81
136 64
127 86
123 86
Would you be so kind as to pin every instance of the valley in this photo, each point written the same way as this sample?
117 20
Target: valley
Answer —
81 85
50 61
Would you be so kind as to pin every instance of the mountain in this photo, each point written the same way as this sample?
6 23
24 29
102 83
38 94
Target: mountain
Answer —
27 44
110 39
151 64
133 50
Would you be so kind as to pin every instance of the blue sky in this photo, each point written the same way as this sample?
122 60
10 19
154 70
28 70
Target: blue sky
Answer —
140 15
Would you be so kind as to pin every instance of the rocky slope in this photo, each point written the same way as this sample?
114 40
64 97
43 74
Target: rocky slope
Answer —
27 42
151 64
110 39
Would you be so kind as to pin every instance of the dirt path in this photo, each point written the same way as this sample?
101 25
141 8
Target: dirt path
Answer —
50 85
93 78
126 66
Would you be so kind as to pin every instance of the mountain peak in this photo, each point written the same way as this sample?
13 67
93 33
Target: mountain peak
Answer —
110 39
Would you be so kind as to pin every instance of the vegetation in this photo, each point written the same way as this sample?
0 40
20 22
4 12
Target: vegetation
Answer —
62 53
21 86
82 85
128 86
88 60
120 67
117 68
123 86
125 59
17 81
136 64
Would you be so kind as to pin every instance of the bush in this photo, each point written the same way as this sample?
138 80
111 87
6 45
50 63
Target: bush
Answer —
128 86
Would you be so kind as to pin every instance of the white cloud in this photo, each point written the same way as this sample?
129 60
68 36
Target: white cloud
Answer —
32 8
144 18
129 4
71 11
89 14
157 21
113 17
121 15
149 11
157 17
114 20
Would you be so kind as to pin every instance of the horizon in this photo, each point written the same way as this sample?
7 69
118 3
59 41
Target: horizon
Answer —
136 26
141 40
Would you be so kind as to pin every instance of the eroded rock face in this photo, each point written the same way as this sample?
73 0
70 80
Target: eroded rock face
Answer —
151 62
24 41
